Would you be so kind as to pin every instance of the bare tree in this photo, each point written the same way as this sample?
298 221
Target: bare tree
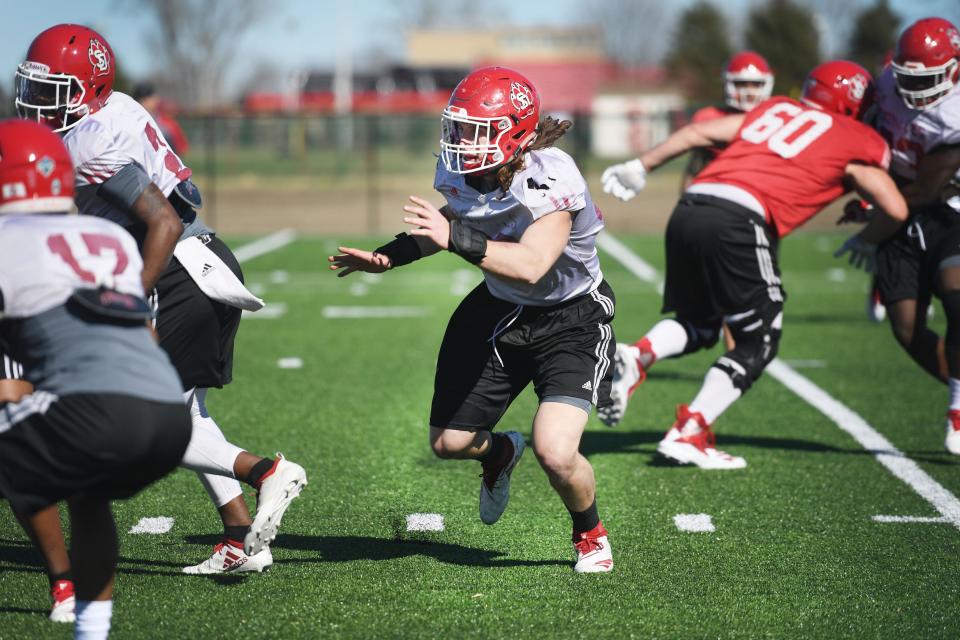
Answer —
197 39
635 31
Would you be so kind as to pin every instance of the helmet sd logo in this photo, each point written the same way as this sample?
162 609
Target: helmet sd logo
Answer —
45 166
99 57
522 98
954 36
858 87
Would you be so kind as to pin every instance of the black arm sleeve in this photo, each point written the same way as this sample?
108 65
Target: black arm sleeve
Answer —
401 250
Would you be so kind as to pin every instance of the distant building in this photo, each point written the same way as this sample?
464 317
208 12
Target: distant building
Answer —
632 108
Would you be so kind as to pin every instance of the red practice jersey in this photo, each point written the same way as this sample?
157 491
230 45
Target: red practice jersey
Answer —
792 158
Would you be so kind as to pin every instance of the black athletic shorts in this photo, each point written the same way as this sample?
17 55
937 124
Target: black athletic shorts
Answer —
195 331
493 349
908 264
10 369
721 260
98 445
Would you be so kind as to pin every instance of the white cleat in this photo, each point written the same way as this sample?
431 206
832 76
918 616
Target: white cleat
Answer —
495 482
64 602
593 551
230 558
952 443
627 376
278 488
697 449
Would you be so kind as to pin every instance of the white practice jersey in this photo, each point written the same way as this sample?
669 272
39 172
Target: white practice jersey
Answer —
119 134
549 181
44 258
913 133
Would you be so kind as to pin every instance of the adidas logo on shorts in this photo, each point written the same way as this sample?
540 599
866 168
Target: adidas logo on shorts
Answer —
587 385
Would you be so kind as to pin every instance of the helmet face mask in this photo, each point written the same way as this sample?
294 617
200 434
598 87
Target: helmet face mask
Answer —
52 99
491 118
747 81
926 64
922 88
469 144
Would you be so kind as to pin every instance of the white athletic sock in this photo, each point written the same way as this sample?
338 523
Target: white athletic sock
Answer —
954 393
667 338
715 396
93 619
210 454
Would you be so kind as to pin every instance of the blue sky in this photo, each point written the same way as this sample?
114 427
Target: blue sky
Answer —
303 33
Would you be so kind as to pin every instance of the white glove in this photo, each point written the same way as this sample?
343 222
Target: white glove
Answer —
862 254
624 180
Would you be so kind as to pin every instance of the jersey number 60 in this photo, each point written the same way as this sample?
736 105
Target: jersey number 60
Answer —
781 122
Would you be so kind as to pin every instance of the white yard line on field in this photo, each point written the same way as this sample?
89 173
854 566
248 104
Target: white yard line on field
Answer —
265 245
351 313
869 438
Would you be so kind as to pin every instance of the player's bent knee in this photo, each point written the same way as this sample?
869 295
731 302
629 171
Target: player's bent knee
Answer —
757 336
556 461
450 443
699 335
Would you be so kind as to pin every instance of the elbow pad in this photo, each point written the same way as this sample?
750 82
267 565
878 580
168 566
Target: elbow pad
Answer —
125 186
468 243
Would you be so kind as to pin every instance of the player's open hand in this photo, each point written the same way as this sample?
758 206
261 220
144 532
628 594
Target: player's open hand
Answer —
350 260
625 180
863 255
428 220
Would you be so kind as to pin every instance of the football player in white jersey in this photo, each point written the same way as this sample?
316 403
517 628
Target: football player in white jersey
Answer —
127 173
106 416
918 112
518 208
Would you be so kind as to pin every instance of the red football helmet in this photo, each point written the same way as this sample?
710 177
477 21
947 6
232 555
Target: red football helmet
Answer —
747 81
838 86
36 174
491 118
926 63
67 75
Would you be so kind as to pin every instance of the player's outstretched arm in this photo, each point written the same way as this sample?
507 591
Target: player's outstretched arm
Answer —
626 180
403 249
876 185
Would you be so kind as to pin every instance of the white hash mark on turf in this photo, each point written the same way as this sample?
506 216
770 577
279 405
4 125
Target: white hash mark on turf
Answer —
425 522
697 522
869 438
153 526
340 313
290 363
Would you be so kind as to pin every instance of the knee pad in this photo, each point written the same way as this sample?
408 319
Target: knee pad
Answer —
951 308
699 336
757 336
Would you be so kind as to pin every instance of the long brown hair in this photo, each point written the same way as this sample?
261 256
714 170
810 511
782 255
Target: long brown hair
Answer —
548 132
